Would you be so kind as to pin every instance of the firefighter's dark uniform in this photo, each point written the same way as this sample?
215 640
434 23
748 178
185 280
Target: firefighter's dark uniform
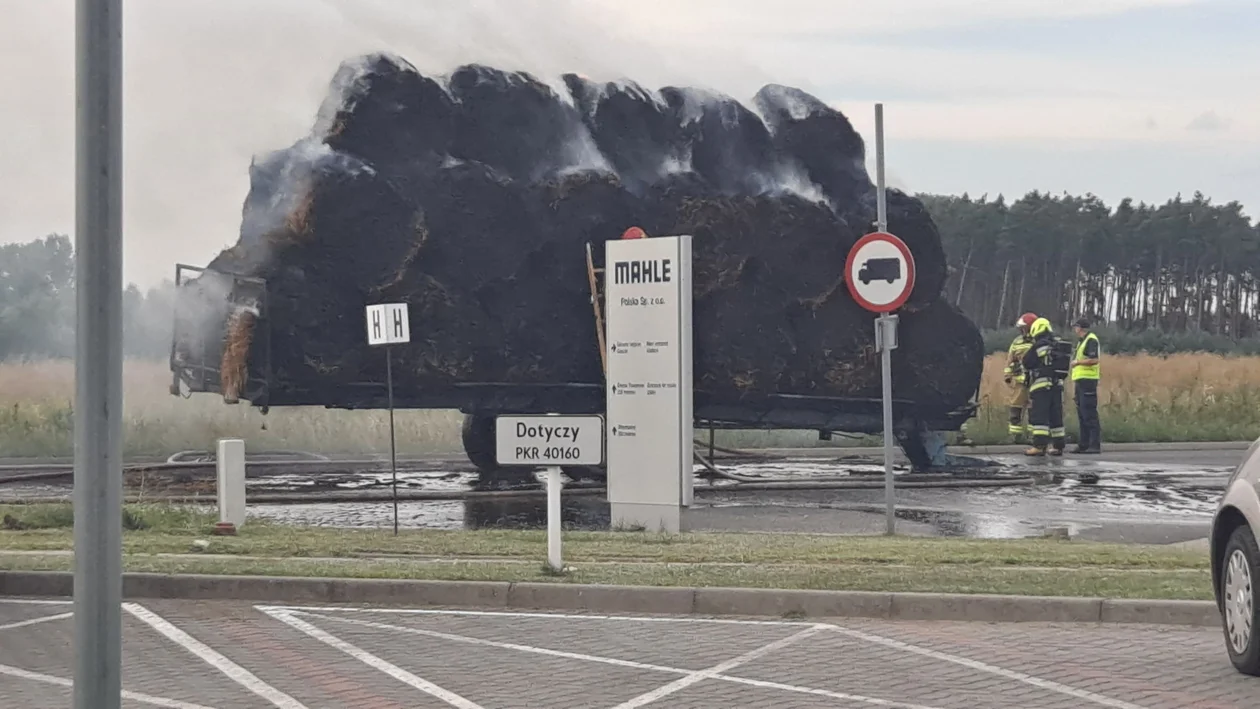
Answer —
1085 386
1045 390
1016 379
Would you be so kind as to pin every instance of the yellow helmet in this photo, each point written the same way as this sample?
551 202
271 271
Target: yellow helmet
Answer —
1039 326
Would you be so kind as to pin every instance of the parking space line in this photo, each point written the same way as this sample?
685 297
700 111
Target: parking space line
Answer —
614 661
373 661
36 621
987 668
494 643
722 667
134 696
522 614
35 602
873 701
207 654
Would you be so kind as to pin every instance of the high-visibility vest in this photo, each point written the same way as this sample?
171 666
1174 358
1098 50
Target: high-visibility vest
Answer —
1090 371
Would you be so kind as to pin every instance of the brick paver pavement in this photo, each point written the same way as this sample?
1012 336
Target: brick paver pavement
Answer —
230 655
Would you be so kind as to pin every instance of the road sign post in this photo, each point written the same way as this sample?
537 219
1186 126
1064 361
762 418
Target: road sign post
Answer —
98 478
389 324
880 275
550 441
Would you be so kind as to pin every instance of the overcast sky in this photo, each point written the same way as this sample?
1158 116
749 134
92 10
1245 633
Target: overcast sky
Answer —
1141 98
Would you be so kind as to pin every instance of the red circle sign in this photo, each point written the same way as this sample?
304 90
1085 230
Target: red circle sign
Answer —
879 272
634 232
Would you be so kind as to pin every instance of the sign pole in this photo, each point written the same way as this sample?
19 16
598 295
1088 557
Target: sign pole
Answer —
885 332
554 484
98 356
393 457
389 324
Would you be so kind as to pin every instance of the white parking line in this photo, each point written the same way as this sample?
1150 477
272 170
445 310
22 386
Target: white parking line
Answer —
134 696
990 669
373 661
35 621
698 676
618 662
34 602
873 701
494 643
233 671
514 614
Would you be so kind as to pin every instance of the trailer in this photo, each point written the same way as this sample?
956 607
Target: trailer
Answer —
222 340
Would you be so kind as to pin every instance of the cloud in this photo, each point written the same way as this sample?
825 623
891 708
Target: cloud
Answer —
1209 122
717 18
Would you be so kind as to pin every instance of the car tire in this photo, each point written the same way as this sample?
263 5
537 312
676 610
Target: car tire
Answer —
1240 617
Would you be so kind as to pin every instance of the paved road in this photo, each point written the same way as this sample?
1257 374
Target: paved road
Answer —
232 655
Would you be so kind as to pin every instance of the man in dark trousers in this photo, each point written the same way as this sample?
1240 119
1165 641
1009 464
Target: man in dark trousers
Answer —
1085 374
1046 363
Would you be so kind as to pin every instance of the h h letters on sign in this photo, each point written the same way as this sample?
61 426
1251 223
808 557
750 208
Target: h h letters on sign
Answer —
398 325
376 326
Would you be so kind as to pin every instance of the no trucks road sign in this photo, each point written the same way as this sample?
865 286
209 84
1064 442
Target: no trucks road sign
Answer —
880 272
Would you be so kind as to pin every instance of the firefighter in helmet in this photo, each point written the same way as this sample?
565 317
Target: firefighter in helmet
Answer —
1046 365
1016 378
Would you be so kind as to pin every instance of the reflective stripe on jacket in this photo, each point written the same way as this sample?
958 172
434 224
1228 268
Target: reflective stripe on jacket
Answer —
1015 355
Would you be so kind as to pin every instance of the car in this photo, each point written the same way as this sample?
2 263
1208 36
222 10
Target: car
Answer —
1236 562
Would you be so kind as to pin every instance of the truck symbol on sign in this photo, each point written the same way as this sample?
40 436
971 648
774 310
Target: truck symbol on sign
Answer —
888 269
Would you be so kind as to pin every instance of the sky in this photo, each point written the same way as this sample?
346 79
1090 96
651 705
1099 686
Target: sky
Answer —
1136 98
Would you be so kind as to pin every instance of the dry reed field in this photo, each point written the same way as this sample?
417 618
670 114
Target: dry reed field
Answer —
1182 397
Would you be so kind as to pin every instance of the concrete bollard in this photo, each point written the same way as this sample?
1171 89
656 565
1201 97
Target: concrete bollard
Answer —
230 461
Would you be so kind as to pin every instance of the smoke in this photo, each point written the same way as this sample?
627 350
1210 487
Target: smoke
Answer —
209 84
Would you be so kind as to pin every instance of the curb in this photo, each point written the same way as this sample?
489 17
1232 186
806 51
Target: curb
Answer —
500 595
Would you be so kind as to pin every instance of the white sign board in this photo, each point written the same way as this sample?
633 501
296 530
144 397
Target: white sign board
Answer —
647 285
388 324
549 440
880 272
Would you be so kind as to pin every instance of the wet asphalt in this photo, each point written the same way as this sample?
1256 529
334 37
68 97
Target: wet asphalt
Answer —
1151 497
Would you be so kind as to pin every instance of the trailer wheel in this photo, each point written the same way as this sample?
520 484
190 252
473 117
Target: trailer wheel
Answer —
478 437
479 445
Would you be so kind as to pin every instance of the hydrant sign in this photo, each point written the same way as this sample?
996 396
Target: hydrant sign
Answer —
549 440
880 272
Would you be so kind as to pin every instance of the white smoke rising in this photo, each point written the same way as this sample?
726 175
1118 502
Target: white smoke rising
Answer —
209 84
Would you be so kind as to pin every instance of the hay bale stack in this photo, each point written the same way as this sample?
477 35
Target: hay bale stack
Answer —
471 198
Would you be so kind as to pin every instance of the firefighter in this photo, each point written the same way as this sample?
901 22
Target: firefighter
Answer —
1085 387
1046 365
1014 376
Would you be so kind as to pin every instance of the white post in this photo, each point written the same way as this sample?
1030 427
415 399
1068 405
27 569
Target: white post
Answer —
230 461
553 519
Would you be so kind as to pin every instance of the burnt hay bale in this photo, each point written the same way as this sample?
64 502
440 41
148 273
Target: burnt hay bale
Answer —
472 198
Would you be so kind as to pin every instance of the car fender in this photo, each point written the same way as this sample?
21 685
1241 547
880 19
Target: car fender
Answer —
1242 495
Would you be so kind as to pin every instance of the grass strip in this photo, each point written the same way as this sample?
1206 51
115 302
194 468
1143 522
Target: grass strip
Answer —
170 529
1184 584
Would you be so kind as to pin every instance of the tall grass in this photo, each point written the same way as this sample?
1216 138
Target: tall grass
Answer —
1147 397
37 415
1181 397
